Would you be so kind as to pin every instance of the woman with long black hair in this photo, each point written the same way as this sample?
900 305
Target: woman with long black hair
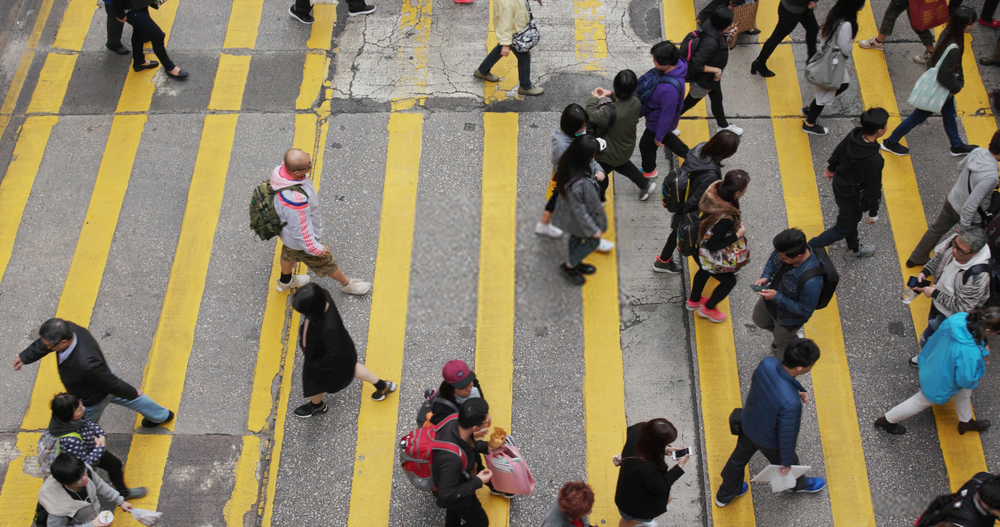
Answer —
331 360
839 29
579 211
948 51
644 481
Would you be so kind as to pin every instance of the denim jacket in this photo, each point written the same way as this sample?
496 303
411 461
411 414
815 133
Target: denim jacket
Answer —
794 307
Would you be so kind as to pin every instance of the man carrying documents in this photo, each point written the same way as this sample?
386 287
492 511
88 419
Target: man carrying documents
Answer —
770 421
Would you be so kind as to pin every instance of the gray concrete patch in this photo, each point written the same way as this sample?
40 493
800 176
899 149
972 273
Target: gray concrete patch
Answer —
269 87
198 479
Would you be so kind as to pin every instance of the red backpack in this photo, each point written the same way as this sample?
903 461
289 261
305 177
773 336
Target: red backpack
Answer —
416 450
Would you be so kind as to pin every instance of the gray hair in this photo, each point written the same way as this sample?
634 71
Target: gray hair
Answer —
55 330
974 237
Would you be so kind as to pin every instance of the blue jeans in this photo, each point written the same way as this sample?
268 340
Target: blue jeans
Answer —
142 404
580 248
523 65
918 116
934 320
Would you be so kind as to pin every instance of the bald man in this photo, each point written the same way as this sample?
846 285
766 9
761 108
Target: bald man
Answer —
297 206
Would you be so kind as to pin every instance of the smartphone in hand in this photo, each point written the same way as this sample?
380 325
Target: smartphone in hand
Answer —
677 454
758 288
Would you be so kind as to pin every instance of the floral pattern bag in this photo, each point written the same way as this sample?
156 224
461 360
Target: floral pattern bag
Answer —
725 260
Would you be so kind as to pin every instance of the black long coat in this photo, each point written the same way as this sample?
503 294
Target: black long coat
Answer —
329 352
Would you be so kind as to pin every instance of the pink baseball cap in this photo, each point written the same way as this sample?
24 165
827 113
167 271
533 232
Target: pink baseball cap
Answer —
458 374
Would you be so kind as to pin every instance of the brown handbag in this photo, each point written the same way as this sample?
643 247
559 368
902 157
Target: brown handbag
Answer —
745 15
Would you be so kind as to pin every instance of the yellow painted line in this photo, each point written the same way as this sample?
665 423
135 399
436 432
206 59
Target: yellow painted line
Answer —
591 39
265 509
244 20
313 74
846 471
137 93
230 79
376 446
52 83
505 68
412 57
74 26
495 299
16 84
963 454
44 9
17 507
322 29
244 495
146 459
604 375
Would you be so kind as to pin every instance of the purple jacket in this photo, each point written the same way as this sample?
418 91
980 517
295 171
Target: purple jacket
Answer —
665 104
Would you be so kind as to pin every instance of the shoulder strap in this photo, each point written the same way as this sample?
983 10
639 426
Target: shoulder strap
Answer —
947 50
447 446
806 276
974 270
445 402
674 82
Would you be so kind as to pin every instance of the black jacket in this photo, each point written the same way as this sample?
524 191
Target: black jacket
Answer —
120 6
950 73
456 485
643 489
85 373
968 514
712 51
857 172
701 173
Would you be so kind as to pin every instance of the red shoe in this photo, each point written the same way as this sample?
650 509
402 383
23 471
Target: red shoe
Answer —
989 23
650 175
711 314
691 306
463 1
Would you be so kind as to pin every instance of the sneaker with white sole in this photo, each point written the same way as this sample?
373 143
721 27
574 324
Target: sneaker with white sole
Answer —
379 395
814 129
605 246
547 229
534 90
862 252
721 503
356 287
650 523
733 128
894 148
298 280
644 193
304 18
923 57
488 77
650 175
677 132
915 361
872 43
309 409
365 9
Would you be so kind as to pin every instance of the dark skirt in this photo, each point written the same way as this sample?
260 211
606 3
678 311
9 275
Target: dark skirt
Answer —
329 355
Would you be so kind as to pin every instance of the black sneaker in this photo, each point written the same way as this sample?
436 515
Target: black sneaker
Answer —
814 129
573 275
379 395
586 269
669 266
961 150
365 9
895 148
309 409
304 18
146 423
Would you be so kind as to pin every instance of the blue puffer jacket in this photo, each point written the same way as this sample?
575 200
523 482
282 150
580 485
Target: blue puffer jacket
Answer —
773 409
951 360
794 306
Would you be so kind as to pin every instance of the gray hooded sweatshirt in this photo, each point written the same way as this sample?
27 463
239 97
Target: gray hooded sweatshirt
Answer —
979 170
64 510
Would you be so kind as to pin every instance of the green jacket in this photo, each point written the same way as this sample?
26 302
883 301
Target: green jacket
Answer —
621 136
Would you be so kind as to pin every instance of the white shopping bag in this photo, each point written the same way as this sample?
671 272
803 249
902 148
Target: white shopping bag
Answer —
146 517
778 482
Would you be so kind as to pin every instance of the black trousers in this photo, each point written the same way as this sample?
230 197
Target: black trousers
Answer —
628 170
848 216
715 99
474 516
647 148
115 469
727 281
115 29
786 23
303 7
144 29
732 473
815 109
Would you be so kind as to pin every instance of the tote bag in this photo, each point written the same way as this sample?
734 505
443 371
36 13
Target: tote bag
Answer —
928 14
510 472
825 69
928 94
725 260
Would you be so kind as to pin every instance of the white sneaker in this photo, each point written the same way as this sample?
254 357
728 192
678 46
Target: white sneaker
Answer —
605 246
356 287
923 57
647 524
871 43
677 132
547 229
298 280
733 128
644 193
800 333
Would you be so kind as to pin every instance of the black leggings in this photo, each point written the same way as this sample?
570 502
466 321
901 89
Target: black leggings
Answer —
815 109
628 170
727 281
115 469
786 23
144 29
714 97
647 149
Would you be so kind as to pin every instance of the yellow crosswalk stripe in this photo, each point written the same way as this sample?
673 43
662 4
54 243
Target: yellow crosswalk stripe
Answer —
591 38
846 472
604 375
273 357
21 73
506 68
963 454
495 300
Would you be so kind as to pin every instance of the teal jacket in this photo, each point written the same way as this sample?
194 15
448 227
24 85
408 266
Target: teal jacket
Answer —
951 360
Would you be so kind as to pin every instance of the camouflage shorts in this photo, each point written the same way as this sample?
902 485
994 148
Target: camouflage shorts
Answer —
322 265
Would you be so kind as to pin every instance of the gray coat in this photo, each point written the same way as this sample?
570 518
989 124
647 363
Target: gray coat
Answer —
579 211
65 511
555 518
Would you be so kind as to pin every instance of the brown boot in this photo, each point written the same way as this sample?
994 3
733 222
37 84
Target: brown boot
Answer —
973 426
893 428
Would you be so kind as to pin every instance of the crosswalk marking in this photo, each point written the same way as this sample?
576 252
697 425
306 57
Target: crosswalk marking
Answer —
591 39
846 472
494 363
506 68
963 454
21 73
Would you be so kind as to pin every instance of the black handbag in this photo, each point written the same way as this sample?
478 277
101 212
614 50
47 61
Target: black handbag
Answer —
735 422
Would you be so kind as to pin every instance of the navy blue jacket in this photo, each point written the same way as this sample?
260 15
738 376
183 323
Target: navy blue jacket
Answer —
794 307
773 410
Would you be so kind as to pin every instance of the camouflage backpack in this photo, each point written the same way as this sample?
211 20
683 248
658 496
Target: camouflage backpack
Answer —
264 219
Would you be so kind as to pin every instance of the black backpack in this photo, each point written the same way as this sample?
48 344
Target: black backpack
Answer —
830 276
601 131
426 407
688 230
947 506
676 187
